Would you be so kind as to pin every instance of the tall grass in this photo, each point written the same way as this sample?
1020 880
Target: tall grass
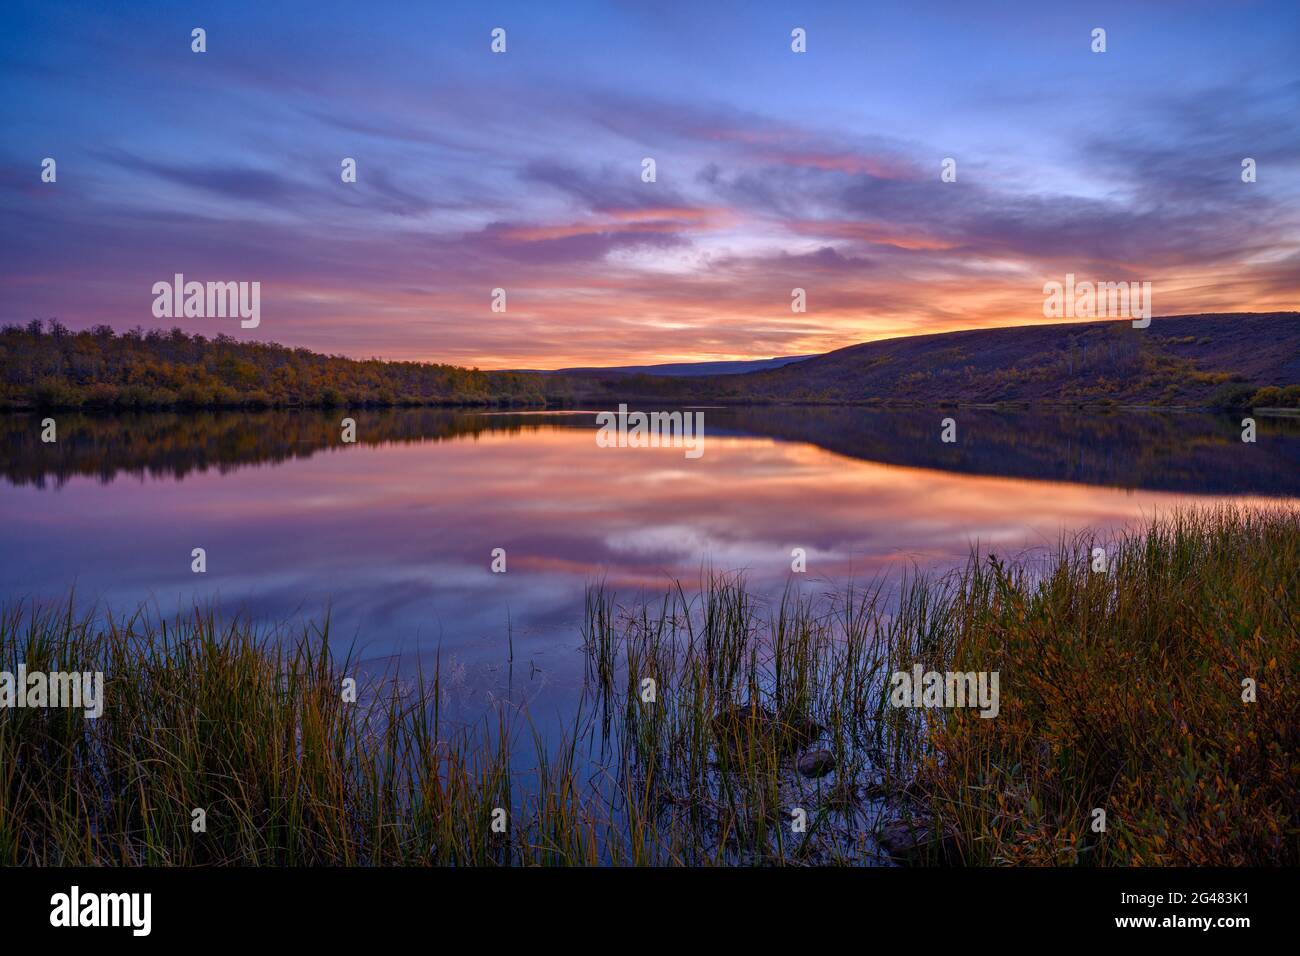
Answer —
1123 692
1119 690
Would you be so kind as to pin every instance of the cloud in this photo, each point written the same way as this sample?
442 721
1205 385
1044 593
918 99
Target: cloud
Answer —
524 173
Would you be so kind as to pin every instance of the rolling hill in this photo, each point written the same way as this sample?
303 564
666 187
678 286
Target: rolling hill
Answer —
678 368
1186 360
1226 360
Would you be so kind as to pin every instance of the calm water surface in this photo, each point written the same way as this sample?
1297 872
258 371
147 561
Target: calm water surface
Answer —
392 536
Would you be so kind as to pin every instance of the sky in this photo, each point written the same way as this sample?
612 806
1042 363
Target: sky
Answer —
523 170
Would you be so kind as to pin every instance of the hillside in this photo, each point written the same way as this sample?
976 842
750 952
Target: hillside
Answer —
689 368
1178 360
1191 360
1226 360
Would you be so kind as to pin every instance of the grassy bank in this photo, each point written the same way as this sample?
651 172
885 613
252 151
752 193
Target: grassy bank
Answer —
1124 692
1118 690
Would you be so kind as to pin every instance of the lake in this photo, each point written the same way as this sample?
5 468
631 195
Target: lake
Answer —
392 536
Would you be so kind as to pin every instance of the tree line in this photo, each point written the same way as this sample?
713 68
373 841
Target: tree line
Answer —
47 365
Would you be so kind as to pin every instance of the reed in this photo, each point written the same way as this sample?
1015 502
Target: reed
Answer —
1119 690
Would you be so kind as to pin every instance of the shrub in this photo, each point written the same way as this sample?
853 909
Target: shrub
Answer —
1270 396
53 393
1232 395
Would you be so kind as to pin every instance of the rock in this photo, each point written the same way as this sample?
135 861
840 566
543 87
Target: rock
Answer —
905 842
913 842
816 763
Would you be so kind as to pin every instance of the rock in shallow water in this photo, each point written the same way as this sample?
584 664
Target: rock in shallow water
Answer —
914 843
902 840
816 763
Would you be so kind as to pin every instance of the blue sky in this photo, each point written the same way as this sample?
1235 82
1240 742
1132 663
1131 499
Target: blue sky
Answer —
522 170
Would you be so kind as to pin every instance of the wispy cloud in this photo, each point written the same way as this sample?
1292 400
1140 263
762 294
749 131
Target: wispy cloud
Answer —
524 172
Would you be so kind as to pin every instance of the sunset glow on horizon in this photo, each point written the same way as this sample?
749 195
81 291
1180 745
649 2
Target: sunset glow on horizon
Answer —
523 171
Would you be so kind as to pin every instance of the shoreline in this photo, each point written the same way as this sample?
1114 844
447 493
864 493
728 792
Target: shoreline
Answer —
649 402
